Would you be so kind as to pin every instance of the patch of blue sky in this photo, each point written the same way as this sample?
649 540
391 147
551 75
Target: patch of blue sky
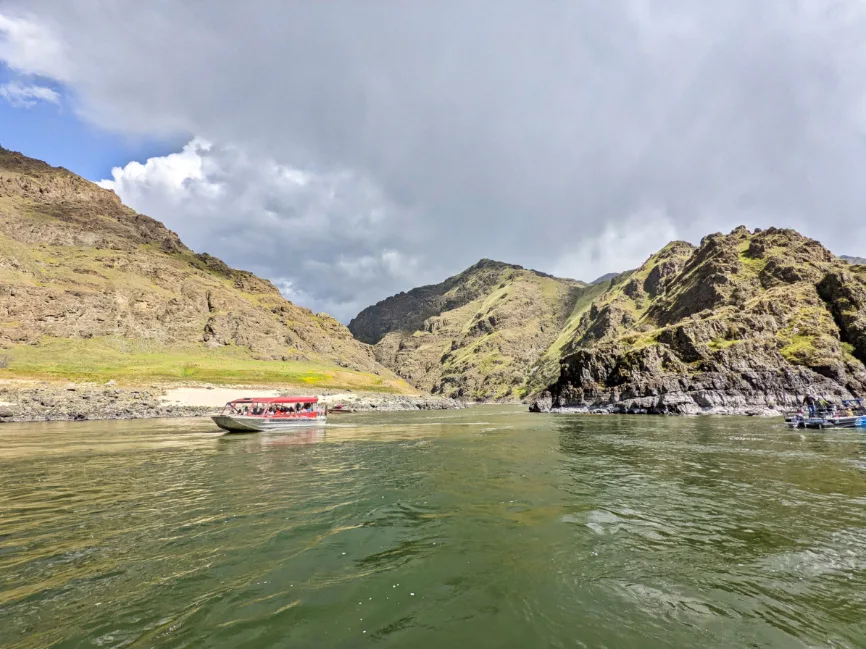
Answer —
55 133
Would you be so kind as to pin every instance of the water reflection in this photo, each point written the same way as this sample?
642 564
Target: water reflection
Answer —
256 442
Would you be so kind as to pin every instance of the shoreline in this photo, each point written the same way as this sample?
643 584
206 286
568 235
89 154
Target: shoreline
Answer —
749 403
24 400
704 412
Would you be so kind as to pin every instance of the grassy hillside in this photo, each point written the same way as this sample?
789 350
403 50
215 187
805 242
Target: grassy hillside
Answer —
478 334
134 362
91 289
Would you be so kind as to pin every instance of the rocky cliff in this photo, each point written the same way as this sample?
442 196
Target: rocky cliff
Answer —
476 335
745 321
87 285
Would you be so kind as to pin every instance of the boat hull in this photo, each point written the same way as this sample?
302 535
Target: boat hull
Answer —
848 422
244 424
829 422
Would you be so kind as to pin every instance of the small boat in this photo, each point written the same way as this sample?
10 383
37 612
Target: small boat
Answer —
852 414
339 409
257 414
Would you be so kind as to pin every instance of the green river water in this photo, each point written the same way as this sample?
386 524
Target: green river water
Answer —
488 527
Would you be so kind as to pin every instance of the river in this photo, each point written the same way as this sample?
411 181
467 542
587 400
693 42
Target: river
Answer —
487 527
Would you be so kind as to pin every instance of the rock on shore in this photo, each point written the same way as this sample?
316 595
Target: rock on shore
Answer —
41 401
77 402
390 403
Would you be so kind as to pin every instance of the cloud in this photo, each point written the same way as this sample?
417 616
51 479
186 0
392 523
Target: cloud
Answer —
432 134
620 246
20 95
302 230
30 46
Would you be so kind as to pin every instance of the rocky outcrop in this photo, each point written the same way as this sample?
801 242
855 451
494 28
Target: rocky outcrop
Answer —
844 294
76 264
745 322
391 403
476 335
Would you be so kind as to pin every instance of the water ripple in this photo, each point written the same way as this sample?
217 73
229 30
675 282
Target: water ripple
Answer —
488 527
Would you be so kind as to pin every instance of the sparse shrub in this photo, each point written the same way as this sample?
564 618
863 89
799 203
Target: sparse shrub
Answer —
189 369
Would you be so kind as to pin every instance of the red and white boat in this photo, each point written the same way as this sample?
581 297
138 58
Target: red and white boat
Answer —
257 414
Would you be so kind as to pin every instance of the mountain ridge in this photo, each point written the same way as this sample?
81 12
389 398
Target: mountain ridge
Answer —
857 261
89 288
472 335
742 321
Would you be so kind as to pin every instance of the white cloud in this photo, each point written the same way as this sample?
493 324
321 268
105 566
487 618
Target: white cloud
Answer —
171 174
325 239
20 95
30 45
408 140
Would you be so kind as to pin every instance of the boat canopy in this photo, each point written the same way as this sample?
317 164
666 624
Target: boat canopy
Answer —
276 400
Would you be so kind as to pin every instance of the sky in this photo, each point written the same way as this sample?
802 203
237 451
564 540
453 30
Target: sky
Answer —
348 151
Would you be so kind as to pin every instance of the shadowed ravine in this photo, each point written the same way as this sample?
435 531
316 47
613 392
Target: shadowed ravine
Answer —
480 528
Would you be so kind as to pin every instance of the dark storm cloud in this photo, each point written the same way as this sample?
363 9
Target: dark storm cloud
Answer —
572 137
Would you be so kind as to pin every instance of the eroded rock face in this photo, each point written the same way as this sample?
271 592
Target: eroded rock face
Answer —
845 295
76 263
745 321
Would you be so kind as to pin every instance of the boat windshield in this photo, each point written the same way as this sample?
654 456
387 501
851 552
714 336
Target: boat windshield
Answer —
273 408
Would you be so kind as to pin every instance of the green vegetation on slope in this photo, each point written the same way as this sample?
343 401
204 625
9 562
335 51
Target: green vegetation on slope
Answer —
477 334
547 369
768 313
141 361
91 289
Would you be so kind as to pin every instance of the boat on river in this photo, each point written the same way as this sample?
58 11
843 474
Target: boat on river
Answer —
851 414
258 414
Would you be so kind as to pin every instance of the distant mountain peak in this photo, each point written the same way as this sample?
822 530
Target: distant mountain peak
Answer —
604 278
473 335
858 261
